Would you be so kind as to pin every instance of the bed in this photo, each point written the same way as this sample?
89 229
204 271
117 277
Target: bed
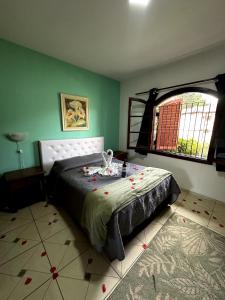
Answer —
108 208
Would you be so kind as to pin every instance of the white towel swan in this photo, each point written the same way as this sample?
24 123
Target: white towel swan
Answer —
107 158
109 168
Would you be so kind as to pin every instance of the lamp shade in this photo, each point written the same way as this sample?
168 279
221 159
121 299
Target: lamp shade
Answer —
17 136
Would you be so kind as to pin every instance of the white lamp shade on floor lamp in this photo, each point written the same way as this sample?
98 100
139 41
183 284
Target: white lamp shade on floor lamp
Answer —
18 137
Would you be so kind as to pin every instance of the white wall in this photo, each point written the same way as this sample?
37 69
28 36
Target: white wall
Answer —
199 178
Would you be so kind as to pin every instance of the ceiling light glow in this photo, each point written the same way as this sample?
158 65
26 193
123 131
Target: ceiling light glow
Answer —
139 2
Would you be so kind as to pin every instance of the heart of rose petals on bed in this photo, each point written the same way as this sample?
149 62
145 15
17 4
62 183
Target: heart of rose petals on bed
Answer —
28 280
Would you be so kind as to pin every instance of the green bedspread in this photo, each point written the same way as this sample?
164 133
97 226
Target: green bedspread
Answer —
100 204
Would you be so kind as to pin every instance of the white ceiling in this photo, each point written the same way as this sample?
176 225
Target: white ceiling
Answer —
109 36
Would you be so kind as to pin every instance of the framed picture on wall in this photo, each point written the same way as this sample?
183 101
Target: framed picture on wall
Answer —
75 113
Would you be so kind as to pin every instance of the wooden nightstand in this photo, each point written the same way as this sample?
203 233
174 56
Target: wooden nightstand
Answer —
23 187
120 155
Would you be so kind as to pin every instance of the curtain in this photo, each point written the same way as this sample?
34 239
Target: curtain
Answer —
220 137
145 134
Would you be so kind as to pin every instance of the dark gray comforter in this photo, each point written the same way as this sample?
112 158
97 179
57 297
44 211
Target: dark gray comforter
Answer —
69 186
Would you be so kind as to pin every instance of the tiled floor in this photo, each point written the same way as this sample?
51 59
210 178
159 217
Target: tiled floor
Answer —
43 255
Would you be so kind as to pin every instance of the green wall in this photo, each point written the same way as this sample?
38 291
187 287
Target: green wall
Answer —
30 84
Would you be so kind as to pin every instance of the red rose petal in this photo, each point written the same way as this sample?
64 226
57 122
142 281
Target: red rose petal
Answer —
193 210
145 246
131 179
198 212
133 183
55 275
106 193
52 270
28 280
195 202
103 288
23 243
141 178
94 190
44 253
142 174
199 199
206 212
132 187
221 225
49 223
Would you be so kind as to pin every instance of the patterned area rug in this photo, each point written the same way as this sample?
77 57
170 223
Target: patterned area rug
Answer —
184 261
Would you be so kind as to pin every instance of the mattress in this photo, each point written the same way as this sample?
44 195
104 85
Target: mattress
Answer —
71 189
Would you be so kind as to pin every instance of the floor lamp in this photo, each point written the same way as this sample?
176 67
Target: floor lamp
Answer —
18 137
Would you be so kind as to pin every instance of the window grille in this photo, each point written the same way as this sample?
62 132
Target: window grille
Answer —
182 126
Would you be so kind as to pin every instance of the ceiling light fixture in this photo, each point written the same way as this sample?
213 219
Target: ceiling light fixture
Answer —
139 2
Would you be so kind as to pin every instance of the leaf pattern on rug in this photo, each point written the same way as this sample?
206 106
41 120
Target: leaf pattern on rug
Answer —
185 286
133 293
186 261
196 244
165 242
155 264
165 297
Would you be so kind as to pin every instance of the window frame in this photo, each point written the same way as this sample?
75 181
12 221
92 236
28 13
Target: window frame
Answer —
193 89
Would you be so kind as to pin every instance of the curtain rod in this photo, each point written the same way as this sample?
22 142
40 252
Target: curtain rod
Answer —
179 85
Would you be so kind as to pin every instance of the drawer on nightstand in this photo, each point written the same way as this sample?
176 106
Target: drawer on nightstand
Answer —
23 187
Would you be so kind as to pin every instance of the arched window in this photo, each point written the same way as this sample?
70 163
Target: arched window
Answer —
183 123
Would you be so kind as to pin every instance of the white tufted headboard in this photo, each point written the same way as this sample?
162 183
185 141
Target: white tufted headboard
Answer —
51 150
